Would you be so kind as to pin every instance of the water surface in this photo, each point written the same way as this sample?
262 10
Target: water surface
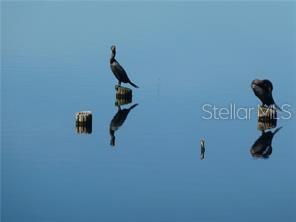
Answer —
55 62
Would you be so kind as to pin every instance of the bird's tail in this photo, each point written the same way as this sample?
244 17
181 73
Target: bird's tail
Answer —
134 85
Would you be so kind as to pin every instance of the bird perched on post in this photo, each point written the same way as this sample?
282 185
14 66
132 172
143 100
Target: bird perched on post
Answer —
263 90
117 69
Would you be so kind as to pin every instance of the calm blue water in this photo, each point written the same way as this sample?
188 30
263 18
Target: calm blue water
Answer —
55 62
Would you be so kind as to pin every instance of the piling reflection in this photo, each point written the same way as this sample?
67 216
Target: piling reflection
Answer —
84 129
262 148
118 121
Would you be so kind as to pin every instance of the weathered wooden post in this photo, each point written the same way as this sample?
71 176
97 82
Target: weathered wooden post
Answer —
267 118
266 113
83 122
202 149
123 95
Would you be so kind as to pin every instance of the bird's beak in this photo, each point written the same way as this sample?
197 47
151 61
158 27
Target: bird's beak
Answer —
255 83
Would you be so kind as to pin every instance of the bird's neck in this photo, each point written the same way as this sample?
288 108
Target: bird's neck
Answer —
112 58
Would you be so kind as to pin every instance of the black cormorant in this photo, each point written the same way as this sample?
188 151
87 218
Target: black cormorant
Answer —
118 70
117 121
263 90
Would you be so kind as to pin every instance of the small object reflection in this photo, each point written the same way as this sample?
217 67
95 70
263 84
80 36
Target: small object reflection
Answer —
83 122
266 125
117 121
262 148
87 129
202 149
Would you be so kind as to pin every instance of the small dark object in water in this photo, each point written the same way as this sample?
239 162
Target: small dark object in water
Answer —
202 149
263 90
118 70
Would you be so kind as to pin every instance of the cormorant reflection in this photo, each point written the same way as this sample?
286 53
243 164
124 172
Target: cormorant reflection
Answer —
117 121
262 148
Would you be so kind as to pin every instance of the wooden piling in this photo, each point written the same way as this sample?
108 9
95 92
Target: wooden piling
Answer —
266 113
123 95
83 122
267 118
